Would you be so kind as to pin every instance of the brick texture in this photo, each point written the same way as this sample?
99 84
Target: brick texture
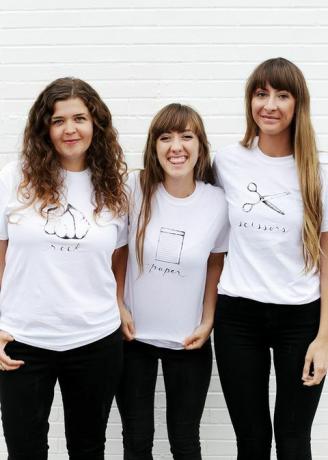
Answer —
141 55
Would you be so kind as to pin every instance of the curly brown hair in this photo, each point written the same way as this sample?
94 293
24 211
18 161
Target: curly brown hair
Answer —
42 180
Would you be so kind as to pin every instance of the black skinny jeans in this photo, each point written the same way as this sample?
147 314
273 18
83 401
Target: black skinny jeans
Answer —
245 330
88 378
187 375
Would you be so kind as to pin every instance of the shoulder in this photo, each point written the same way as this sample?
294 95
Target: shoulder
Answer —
212 191
133 190
228 152
10 174
133 180
214 197
323 166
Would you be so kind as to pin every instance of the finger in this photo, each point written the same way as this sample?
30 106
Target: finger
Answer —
5 359
126 333
190 340
319 373
12 362
6 336
315 380
131 328
306 369
6 367
197 342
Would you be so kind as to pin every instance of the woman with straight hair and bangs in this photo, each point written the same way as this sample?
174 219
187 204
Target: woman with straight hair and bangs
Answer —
62 223
273 292
177 237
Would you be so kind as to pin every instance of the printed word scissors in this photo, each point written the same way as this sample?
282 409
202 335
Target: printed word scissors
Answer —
252 187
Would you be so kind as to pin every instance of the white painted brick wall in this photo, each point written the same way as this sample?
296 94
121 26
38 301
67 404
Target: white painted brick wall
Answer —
141 55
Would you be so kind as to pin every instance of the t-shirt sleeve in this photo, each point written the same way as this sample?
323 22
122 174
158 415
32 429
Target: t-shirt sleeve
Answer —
122 232
6 183
4 197
222 240
324 178
130 186
216 170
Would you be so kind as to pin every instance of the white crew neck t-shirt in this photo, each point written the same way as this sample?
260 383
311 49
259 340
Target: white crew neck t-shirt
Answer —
58 290
265 257
166 300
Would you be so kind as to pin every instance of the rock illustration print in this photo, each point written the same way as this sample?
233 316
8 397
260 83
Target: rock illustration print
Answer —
69 223
169 246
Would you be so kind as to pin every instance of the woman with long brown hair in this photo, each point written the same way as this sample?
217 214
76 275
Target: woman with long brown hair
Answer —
177 237
273 292
62 222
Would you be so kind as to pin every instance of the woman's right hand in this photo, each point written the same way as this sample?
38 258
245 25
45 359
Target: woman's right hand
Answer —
127 323
6 363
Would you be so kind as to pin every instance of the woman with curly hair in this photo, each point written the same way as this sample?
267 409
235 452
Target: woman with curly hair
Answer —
61 226
178 234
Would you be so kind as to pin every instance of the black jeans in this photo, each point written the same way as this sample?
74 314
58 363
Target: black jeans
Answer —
88 378
245 330
187 375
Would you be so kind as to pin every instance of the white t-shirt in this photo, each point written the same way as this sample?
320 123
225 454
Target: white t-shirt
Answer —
166 300
58 290
265 258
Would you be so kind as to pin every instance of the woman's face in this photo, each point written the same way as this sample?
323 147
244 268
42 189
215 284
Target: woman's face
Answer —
71 131
177 153
273 110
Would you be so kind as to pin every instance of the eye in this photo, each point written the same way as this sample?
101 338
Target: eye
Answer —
56 122
283 96
164 138
260 94
187 136
80 118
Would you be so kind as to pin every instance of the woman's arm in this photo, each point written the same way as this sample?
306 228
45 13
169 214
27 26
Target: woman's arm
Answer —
119 262
6 363
202 332
317 353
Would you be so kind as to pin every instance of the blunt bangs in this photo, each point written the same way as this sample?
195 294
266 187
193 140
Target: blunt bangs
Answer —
176 117
279 73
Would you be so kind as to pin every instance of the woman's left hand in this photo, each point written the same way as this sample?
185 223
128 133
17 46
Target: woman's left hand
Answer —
198 337
316 356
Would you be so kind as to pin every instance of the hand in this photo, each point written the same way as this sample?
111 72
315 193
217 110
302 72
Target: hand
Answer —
127 323
6 363
198 337
317 354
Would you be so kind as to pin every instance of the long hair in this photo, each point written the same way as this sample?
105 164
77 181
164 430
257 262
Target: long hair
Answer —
42 178
282 74
173 117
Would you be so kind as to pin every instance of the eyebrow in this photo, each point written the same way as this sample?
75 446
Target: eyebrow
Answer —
58 117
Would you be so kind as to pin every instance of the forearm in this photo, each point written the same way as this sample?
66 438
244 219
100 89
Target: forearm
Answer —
3 250
323 328
119 263
214 269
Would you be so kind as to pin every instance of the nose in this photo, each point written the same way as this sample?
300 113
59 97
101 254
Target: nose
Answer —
271 104
176 145
70 127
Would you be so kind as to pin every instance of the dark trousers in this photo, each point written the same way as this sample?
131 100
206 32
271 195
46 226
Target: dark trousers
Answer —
88 378
186 377
245 330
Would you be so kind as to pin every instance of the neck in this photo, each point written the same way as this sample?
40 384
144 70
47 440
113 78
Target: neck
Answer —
276 146
179 187
73 166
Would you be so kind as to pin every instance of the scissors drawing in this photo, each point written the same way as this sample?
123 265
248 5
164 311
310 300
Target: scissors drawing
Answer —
252 187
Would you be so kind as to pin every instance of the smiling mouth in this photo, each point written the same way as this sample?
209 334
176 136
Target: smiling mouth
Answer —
71 141
177 160
266 117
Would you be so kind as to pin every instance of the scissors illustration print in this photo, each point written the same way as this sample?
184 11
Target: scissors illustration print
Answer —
252 187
